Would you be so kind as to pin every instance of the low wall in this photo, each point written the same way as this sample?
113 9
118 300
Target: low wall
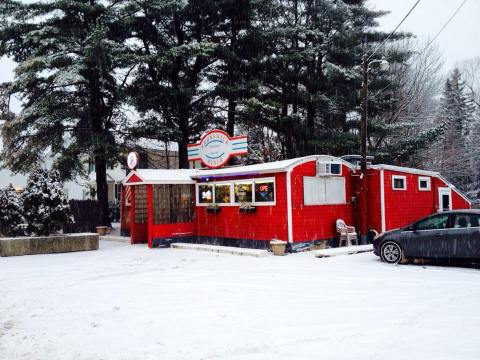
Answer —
48 244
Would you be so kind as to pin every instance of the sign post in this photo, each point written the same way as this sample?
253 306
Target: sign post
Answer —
216 147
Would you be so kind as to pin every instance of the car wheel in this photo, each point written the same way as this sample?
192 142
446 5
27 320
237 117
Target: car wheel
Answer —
391 253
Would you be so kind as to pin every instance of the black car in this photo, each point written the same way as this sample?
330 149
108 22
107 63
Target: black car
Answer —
446 235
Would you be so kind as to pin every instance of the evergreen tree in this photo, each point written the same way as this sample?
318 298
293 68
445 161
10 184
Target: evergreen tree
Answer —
12 221
176 47
456 115
71 55
45 204
310 73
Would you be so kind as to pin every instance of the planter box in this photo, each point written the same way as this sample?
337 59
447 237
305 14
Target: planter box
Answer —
278 247
213 210
48 244
248 210
102 230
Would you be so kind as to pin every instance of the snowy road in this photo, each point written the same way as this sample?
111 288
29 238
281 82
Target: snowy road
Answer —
125 302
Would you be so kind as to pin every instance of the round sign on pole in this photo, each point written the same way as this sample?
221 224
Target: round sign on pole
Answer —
132 160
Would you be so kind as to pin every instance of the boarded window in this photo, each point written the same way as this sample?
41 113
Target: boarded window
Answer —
323 190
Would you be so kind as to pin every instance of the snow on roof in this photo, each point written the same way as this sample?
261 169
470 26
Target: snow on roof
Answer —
163 176
264 168
404 169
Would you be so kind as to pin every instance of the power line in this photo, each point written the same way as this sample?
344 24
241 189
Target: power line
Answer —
448 21
429 43
390 35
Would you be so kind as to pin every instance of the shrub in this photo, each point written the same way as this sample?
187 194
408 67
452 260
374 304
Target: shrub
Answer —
12 221
45 204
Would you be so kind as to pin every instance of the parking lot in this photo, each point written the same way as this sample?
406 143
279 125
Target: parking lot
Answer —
129 302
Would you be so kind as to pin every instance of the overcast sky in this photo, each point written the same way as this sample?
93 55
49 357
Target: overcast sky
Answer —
458 41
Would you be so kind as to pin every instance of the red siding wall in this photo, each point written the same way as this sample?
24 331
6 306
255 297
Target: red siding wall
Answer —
317 222
403 207
374 203
268 222
172 230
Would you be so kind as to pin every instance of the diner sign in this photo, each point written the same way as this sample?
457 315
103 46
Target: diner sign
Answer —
216 147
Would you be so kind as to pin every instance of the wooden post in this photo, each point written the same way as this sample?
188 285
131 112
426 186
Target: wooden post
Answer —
132 216
150 215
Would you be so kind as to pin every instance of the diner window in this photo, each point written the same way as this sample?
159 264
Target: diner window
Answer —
243 191
423 183
222 193
399 182
205 194
172 204
264 191
141 209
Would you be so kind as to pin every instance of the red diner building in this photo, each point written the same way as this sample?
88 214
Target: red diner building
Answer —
296 200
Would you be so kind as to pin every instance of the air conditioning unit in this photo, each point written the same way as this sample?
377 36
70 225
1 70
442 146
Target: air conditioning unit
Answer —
328 168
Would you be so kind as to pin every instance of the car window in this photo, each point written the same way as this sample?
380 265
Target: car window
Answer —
432 223
466 221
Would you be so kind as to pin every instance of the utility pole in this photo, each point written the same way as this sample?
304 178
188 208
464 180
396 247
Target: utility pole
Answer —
363 190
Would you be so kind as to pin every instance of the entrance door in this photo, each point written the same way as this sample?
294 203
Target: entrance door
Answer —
444 199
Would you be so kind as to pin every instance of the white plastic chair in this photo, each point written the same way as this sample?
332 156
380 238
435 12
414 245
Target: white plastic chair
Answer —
348 235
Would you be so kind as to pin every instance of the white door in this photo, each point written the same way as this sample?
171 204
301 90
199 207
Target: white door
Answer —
444 199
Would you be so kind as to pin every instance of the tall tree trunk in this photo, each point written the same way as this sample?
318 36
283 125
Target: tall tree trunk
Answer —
102 187
310 134
182 146
232 107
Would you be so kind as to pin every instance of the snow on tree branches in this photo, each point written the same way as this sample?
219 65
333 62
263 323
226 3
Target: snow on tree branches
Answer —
45 204
12 221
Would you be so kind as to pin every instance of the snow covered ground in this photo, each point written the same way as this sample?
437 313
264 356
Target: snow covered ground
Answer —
129 302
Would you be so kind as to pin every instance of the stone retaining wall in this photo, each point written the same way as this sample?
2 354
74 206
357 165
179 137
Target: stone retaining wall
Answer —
48 244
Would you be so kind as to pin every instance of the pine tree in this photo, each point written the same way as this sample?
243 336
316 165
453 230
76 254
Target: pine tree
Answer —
310 77
456 115
12 221
45 204
176 48
72 58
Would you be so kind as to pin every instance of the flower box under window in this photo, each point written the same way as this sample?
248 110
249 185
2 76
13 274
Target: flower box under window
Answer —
247 208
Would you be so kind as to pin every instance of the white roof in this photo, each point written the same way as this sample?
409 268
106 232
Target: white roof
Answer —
404 169
163 176
264 168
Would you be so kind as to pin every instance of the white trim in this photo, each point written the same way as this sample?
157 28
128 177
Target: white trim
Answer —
289 206
382 200
444 191
450 185
399 177
429 183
